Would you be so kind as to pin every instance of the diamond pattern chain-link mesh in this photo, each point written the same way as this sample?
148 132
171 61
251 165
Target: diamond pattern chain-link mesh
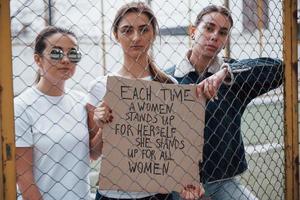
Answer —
256 33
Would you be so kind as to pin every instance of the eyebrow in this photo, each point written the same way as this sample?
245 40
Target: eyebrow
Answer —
130 26
214 25
57 47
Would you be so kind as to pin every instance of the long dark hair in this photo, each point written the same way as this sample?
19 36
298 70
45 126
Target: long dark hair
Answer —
142 8
214 8
40 41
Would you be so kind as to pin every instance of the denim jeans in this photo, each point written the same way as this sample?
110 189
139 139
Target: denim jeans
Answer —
230 189
154 197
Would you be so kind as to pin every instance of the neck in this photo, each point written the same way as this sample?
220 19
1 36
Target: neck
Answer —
135 68
200 63
51 89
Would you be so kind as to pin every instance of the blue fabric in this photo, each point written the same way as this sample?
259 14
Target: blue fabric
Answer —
224 152
230 189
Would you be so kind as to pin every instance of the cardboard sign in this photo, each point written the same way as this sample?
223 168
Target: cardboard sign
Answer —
155 141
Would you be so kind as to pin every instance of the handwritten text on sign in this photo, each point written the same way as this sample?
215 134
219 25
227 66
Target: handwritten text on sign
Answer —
155 141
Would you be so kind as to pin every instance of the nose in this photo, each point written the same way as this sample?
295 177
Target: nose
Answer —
214 36
136 36
65 59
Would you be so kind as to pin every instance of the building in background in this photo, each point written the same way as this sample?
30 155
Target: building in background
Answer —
92 22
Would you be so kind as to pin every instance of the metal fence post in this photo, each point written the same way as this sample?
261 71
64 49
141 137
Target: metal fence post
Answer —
227 46
291 100
8 174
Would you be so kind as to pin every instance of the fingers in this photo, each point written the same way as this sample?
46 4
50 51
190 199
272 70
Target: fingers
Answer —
200 89
219 77
200 190
192 192
187 195
102 114
211 90
207 89
209 86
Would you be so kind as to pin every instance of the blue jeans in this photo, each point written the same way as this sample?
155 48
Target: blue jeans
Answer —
157 196
230 189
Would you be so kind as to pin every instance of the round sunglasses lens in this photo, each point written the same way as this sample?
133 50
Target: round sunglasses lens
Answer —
56 54
74 56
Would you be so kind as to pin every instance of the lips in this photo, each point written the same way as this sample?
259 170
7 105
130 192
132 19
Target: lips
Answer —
64 69
138 47
211 47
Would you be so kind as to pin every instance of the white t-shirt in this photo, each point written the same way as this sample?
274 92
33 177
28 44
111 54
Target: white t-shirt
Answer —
97 90
56 128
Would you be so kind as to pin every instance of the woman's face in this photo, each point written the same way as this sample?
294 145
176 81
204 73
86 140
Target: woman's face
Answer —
135 34
56 63
211 34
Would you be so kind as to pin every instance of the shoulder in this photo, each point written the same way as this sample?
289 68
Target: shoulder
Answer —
249 63
23 103
99 82
97 90
170 70
28 97
76 94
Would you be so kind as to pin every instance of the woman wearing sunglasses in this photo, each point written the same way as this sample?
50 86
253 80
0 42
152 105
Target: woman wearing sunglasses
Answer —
52 138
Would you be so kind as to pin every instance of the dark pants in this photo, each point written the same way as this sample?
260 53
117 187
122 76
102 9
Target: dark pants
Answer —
154 197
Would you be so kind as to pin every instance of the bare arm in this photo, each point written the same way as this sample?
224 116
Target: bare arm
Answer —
95 137
209 87
25 179
97 117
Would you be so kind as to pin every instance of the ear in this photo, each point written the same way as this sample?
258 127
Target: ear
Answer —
191 31
116 36
37 60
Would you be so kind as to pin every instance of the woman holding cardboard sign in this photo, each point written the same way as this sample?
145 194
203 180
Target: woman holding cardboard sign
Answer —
135 28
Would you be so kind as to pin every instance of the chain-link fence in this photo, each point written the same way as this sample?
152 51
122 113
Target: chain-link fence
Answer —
257 32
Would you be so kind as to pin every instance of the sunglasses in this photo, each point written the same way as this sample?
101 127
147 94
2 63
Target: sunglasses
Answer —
73 55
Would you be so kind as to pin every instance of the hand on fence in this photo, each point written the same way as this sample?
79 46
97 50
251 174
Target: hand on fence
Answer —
209 86
192 192
102 114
